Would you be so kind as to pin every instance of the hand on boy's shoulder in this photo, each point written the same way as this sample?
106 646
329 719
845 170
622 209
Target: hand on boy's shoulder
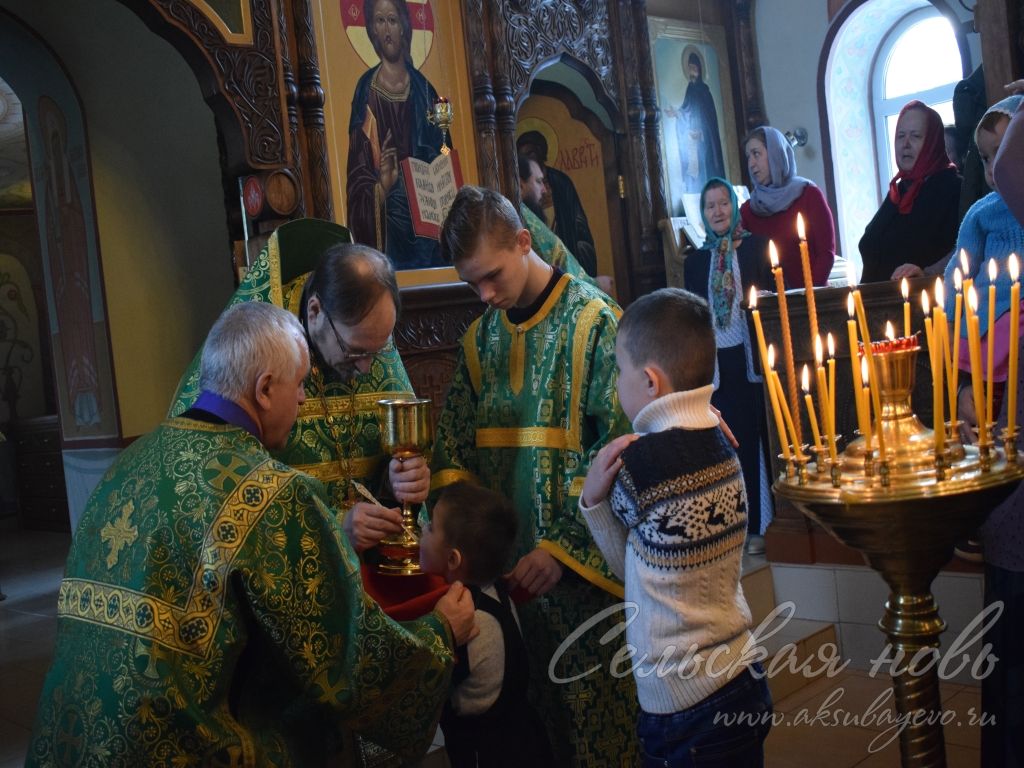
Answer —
603 469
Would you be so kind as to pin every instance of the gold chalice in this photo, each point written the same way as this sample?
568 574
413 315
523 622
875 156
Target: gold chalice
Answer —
405 432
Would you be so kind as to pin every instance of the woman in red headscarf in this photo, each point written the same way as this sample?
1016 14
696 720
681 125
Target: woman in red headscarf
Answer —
917 223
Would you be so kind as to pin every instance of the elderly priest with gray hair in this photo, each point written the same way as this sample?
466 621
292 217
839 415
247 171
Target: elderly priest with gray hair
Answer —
211 612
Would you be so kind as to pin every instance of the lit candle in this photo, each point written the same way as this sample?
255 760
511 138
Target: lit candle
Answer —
958 284
905 290
990 337
1011 381
941 325
974 347
865 398
824 400
762 349
935 361
787 415
965 268
805 383
890 332
780 426
831 343
805 262
851 331
787 338
862 318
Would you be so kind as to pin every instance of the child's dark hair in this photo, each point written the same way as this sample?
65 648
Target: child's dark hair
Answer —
482 525
672 329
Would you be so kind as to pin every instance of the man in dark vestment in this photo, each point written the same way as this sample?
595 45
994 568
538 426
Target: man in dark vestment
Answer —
700 147
388 124
570 222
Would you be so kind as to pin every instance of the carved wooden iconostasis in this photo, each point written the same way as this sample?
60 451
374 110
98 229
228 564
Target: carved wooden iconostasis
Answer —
282 76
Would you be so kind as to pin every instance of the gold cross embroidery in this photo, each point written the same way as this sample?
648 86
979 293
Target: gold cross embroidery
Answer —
119 534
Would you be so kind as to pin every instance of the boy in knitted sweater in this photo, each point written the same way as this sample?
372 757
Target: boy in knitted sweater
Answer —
668 509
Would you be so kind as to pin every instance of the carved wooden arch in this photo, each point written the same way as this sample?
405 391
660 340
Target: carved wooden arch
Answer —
268 111
610 105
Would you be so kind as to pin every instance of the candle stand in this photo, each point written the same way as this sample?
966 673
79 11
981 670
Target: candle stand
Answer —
903 512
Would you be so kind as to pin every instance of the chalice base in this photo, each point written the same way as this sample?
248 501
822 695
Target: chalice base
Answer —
399 559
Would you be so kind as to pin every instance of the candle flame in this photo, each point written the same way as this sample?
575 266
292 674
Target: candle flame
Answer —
800 231
773 254
753 297
831 343
905 289
849 305
972 300
925 303
958 279
864 371
940 292
771 357
964 262
993 270
805 379
890 332
817 350
1014 267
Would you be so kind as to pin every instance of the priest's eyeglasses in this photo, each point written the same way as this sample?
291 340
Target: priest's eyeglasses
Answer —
347 355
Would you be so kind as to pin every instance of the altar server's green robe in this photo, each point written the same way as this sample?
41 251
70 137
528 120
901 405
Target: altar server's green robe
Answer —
528 408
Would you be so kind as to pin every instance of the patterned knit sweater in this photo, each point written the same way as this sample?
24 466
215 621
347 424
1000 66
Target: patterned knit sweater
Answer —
673 530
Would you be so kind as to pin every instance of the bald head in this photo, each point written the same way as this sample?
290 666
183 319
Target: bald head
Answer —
350 279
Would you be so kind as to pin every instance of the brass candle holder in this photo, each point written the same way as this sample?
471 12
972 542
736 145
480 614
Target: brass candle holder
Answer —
405 432
904 519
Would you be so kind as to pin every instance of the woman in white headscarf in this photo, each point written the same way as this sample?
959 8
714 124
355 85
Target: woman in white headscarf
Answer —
778 195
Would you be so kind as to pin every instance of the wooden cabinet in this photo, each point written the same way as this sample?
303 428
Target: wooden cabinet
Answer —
42 495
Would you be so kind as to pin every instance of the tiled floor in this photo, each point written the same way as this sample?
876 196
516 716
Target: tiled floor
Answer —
31 564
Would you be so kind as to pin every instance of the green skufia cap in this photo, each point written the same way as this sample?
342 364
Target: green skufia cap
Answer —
302 242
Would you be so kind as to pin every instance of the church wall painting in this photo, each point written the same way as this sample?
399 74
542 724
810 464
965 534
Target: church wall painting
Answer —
698 124
65 213
383 64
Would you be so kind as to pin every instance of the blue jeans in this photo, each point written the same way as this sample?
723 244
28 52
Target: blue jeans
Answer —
692 738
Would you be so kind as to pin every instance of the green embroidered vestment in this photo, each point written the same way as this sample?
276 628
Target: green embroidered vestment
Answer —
212 614
337 434
528 408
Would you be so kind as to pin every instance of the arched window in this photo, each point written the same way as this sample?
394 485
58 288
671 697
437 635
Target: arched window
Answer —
884 53
918 59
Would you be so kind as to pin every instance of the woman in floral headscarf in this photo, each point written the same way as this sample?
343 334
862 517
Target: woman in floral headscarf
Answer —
916 225
778 195
730 262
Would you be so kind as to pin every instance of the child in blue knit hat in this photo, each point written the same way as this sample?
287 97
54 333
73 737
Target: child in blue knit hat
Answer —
668 508
989 231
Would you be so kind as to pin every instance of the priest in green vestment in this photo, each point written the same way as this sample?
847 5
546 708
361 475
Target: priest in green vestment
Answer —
532 400
211 611
347 300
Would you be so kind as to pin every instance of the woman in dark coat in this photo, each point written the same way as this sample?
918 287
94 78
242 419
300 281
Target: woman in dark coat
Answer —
916 225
